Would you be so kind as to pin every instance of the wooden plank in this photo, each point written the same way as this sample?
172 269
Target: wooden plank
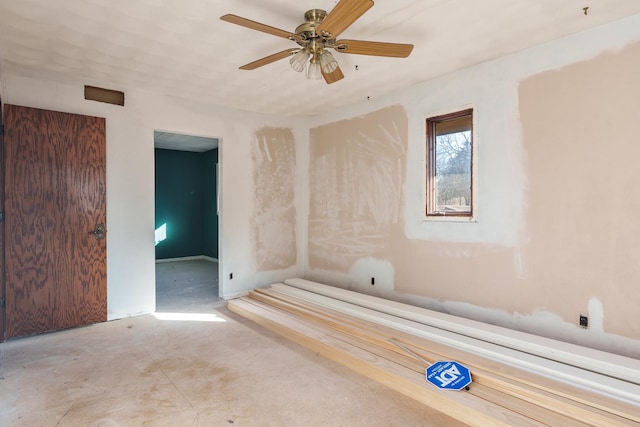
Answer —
462 406
585 397
379 336
539 413
609 364
525 408
498 397
479 389
2 231
571 402
611 389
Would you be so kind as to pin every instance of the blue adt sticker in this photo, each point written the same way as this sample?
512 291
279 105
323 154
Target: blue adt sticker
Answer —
448 375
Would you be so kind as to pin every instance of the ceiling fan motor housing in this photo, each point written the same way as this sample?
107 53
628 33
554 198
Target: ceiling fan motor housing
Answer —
312 19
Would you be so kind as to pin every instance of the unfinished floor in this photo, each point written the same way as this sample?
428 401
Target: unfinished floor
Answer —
216 369
186 286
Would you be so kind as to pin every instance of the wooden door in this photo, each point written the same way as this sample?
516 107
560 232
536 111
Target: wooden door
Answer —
2 286
55 195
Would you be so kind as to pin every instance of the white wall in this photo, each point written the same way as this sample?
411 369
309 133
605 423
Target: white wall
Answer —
130 179
484 269
491 87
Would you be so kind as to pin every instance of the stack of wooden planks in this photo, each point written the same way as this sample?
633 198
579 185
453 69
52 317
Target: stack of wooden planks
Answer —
500 395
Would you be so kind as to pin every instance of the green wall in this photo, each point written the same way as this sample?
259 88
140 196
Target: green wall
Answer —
186 203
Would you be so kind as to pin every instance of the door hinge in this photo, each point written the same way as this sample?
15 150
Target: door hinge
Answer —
2 302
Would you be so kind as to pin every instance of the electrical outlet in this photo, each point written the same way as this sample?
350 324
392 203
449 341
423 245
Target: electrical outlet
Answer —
584 321
373 281
230 276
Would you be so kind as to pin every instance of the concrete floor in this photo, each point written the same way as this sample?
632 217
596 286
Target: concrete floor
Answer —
187 286
216 369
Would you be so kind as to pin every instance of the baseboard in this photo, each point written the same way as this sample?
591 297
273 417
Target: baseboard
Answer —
187 258
233 295
125 315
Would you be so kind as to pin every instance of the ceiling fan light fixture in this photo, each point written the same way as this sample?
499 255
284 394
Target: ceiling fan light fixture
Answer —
328 62
299 60
316 35
314 71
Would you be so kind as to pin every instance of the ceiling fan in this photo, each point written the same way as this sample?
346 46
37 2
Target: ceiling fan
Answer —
318 34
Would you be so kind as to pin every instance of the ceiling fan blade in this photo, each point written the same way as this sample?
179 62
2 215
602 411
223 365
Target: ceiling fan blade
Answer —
238 20
268 59
344 14
360 47
333 76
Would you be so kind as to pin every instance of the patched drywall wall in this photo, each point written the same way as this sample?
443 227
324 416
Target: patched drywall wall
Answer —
356 176
582 230
553 235
274 221
356 221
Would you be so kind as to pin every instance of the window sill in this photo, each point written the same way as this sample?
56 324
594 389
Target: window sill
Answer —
449 218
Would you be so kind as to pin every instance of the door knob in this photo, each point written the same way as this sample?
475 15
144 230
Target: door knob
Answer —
99 232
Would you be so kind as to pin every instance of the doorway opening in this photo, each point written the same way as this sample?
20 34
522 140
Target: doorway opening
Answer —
186 223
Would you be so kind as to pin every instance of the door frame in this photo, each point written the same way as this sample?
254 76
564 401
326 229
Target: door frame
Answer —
218 172
3 318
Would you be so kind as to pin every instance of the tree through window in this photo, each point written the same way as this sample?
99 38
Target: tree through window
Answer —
449 164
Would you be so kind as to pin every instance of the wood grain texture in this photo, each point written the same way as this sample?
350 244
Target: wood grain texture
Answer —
345 13
362 47
268 59
462 406
595 394
55 196
532 396
547 398
367 336
258 26
2 264
609 364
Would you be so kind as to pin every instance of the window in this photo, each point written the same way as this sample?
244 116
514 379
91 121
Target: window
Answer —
449 164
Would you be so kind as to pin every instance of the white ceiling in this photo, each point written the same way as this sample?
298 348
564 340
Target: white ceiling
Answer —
182 47
174 141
